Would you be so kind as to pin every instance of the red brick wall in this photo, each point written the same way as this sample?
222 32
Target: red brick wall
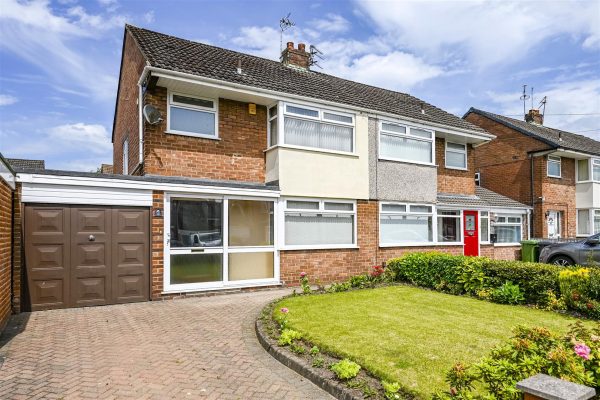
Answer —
17 248
454 180
501 252
6 199
237 155
127 111
157 243
505 168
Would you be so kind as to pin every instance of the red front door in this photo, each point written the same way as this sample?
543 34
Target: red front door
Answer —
471 233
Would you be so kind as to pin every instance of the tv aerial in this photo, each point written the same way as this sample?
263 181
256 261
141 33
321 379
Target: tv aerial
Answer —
152 115
315 53
285 23
524 97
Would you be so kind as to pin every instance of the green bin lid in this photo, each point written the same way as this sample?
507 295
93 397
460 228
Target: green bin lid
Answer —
529 242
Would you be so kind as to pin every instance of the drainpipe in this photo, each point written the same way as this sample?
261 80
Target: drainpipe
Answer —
532 217
140 124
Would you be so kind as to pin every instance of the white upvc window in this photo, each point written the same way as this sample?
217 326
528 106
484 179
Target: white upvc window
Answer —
456 155
508 228
449 226
596 170
588 170
273 125
484 226
596 221
402 224
315 128
126 156
554 166
319 223
584 222
191 115
398 142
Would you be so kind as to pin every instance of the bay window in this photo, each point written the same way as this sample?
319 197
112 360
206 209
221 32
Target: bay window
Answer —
405 223
508 228
273 126
448 226
588 169
316 128
596 170
583 222
404 143
192 116
596 221
456 155
554 167
314 223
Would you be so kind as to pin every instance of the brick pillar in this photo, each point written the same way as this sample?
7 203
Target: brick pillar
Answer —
17 251
157 260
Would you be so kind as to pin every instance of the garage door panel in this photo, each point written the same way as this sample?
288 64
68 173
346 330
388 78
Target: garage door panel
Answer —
86 255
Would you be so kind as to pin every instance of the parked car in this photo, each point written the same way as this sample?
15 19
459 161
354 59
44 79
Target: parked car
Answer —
581 252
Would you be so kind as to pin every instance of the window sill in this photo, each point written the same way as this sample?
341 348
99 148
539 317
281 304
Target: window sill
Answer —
223 286
407 161
326 247
507 244
191 134
456 168
555 177
311 149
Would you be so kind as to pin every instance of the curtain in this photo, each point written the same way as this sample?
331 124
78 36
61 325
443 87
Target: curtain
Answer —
457 160
583 222
508 234
319 135
303 229
405 228
405 148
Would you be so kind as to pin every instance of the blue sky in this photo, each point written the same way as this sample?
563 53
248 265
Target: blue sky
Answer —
59 60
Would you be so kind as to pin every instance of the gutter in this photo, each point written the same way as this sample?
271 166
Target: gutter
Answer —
284 96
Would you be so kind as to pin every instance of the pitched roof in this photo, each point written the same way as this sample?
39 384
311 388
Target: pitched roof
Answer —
482 198
21 164
180 55
553 137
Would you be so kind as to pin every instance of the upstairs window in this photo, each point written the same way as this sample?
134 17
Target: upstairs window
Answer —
583 170
192 116
456 155
404 143
596 170
273 126
316 128
554 166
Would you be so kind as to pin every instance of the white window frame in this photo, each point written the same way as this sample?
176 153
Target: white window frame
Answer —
555 160
126 156
214 110
320 210
590 218
460 224
506 223
461 152
225 249
269 119
408 212
487 218
407 135
282 113
591 163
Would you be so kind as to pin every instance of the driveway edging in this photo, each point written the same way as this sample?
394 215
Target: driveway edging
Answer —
334 388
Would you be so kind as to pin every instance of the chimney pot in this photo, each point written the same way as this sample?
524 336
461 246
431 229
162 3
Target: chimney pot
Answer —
534 117
290 45
297 58
301 47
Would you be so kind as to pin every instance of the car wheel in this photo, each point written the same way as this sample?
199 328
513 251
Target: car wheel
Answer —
563 261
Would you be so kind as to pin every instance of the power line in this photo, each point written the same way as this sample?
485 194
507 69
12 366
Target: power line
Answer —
587 130
517 115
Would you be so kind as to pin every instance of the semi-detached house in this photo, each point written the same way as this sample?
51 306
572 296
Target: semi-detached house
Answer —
255 171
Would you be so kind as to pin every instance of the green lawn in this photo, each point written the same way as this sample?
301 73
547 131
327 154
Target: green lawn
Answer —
407 334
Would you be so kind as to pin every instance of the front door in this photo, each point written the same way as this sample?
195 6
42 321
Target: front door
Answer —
471 233
553 223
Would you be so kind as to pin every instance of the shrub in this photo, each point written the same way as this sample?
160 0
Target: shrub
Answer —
318 362
314 351
507 294
391 389
339 287
345 369
304 283
288 336
296 348
574 357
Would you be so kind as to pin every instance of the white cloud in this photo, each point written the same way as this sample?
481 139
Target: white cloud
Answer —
35 33
572 106
331 23
7 100
262 41
85 137
149 17
487 32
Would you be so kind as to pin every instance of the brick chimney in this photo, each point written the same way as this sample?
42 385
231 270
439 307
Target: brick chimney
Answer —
298 58
534 117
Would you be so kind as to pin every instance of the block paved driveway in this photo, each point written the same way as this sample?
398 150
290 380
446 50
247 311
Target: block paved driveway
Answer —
194 348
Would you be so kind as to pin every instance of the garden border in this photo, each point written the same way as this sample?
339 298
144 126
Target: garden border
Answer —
336 389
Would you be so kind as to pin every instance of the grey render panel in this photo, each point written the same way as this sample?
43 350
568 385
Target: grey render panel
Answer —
397 181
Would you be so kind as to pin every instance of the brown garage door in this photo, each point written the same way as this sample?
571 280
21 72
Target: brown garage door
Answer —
86 256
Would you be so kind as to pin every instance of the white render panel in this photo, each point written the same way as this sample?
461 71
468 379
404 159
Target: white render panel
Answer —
587 195
93 195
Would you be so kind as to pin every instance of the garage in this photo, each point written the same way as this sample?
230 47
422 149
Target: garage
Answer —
85 255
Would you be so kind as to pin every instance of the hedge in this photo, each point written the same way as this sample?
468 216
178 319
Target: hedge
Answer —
538 284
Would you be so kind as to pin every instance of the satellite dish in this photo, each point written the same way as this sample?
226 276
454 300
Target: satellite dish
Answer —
152 115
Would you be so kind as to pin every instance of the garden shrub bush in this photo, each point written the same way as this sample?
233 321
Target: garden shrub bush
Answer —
345 369
574 357
511 282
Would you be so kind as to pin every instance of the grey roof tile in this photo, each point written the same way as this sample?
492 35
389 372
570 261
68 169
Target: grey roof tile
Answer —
176 54
20 164
553 137
483 198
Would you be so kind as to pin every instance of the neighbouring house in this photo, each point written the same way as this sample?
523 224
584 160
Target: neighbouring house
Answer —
233 171
554 171
26 164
